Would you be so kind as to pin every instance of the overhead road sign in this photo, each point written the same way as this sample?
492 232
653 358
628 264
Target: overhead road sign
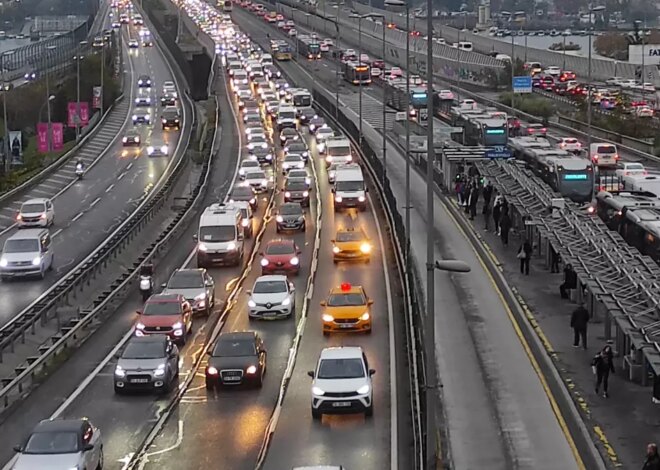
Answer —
522 84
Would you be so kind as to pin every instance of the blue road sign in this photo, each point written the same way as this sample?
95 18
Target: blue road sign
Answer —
498 152
522 84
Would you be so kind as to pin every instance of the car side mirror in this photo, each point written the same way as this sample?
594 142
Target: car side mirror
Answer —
18 448
194 236
292 288
261 253
208 353
370 302
372 372
163 285
323 303
88 447
310 373
332 190
248 292
139 312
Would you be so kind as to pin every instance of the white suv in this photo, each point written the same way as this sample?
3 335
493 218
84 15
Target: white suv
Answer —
342 383
272 297
36 213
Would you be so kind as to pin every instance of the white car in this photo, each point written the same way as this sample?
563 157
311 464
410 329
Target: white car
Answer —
36 213
257 141
630 169
332 172
133 44
342 383
570 144
629 83
396 72
328 42
644 112
252 131
646 86
446 95
281 24
614 81
247 166
291 162
552 70
61 444
323 47
169 88
272 297
257 179
293 33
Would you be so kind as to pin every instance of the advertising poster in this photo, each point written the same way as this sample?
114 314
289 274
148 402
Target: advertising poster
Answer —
16 147
42 137
96 97
58 135
71 114
84 113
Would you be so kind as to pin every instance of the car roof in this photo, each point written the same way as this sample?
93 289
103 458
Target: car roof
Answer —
343 352
163 298
199 271
281 241
27 234
149 339
47 425
271 277
240 335
38 200
352 290
291 204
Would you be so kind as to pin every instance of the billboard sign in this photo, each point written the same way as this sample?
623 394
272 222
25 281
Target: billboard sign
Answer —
57 129
16 147
42 137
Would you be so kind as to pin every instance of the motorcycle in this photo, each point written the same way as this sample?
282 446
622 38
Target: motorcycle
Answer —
80 171
146 281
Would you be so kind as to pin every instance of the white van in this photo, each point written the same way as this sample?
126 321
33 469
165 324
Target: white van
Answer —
603 154
220 237
27 253
464 46
266 59
36 213
349 189
286 117
338 150
247 216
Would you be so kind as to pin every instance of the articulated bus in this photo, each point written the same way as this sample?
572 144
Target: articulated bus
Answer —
356 73
486 132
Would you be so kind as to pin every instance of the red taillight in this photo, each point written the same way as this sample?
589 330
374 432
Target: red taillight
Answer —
594 157
19 217
627 173
616 156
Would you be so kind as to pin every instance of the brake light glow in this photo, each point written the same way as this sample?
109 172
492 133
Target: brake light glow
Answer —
345 286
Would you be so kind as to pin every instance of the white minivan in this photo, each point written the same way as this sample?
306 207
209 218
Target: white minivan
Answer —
36 213
220 237
27 253
603 154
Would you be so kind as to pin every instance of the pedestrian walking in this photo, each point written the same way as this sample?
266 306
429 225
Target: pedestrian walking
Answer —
505 226
474 200
570 281
488 194
602 364
497 211
525 256
486 212
554 261
459 191
579 321
652 461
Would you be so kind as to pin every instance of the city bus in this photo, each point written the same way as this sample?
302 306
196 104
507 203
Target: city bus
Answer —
486 132
225 5
356 73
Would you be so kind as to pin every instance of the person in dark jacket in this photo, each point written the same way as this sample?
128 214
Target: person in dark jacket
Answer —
652 461
579 321
474 200
488 194
497 212
554 261
505 226
603 363
486 212
525 256
570 281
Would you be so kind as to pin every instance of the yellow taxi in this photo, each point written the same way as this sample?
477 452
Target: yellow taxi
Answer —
347 308
351 244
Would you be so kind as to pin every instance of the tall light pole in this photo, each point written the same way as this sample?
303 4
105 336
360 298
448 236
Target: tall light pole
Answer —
48 132
78 58
401 3
592 9
5 88
103 74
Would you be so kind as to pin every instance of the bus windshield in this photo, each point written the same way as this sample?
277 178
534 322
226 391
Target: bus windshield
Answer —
302 100
339 151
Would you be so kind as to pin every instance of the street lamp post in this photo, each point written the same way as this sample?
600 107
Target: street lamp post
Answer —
78 58
48 132
592 10
5 88
102 77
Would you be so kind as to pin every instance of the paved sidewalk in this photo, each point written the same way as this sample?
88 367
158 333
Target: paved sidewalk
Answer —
622 424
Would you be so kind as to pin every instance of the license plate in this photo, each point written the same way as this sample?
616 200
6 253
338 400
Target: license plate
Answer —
341 404
346 325
234 378
139 381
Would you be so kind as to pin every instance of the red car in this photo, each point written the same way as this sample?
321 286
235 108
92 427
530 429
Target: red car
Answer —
566 76
281 256
166 314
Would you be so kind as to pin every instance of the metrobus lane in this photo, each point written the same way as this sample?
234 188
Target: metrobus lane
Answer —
352 440
224 427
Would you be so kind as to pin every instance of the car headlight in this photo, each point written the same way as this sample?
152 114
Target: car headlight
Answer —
364 389
135 117
160 370
321 147
251 370
119 372
327 318
287 194
279 218
201 247
211 370
245 222
264 262
362 199
164 149
335 249
252 303
286 301
3 262
124 139
150 150
201 296
305 193
177 326
365 316
338 199
317 391
36 261
231 246
139 326
295 261
365 248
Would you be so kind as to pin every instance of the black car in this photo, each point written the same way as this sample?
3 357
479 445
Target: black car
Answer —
298 147
244 193
263 155
272 72
236 358
316 123
142 101
131 139
288 135
147 43
290 217
248 103
144 81
141 117
296 190
306 114
168 100
171 119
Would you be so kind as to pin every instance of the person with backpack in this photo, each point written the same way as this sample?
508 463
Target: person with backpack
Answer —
602 364
652 461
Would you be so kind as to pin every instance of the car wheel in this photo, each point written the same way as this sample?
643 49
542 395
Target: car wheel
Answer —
209 385
369 411
119 391
259 382
304 227
316 414
99 466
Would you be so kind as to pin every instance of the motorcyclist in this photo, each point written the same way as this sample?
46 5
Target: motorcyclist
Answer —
146 281
80 166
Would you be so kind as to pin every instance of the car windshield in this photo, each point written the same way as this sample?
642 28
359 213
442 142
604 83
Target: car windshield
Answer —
258 139
293 158
341 369
185 280
297 147
52 442
606 149
349 237
349 185
339 151
634 166
234 348
296 185
255 175
287 115
21 246
346 300
242 192
269 287
280 249
31 208
162 308
291 209
298 174
217 233
147 350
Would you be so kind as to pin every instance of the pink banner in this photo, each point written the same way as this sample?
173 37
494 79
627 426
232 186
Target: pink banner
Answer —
42 137
58 135
71 114
84 113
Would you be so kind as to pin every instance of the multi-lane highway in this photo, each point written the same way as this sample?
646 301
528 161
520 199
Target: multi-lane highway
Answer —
116 179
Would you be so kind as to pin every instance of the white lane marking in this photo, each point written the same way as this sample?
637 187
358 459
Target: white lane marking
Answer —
110 188
56 233
95 202
394 434
121 176
179 440
80 214
129 166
